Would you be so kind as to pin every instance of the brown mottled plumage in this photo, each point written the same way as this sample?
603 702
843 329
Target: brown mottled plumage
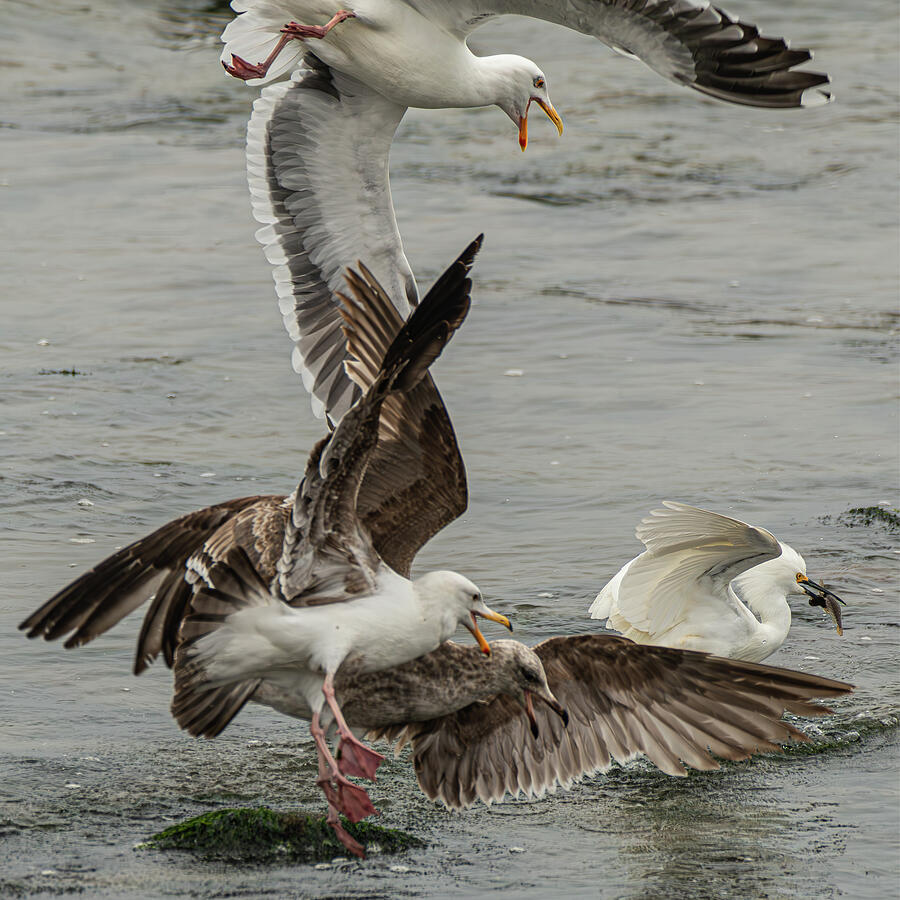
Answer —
463 715
247 580
438 683
623 699
152 566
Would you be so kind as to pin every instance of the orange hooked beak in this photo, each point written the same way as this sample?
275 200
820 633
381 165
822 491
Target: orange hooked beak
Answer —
476 631
552 114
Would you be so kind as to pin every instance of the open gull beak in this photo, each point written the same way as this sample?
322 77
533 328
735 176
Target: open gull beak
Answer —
551 702
819 595
552 114
476 631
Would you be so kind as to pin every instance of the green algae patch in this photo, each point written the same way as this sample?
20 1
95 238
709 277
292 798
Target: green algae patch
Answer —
872 515
266 835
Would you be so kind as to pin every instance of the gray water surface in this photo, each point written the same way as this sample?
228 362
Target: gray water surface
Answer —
702 303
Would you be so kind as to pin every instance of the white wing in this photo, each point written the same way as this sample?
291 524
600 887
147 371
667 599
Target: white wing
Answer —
606 602
692 555
690 43
317 163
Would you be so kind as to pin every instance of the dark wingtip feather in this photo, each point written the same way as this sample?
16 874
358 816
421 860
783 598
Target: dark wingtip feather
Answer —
447 302
732 61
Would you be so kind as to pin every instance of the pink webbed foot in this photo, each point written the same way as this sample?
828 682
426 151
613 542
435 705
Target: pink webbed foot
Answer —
343 836
355 802
240 68
355 758
351 800
301 32
244 70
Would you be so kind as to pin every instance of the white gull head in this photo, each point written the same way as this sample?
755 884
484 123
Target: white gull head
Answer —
514 83
451 599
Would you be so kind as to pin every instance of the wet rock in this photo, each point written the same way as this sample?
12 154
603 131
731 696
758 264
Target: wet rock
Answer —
266 835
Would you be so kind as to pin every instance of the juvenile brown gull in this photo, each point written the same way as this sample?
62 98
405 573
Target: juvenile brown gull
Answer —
676 707
709 582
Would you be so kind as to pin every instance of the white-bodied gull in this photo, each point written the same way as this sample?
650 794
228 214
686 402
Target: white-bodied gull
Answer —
709 582
288 588
414 52
318 145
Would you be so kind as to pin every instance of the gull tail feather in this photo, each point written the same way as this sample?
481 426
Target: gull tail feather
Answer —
202 704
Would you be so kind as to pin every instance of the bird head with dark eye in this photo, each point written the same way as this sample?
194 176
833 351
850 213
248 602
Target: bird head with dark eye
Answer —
521 83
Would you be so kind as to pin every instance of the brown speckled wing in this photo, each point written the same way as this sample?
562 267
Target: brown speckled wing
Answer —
623 699
227 580
99 599
258 529
415 483
329 553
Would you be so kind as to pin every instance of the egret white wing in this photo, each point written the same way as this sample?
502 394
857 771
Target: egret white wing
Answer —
604 604
692 555
317 164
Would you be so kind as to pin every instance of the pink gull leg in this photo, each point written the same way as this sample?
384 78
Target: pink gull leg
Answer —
355 757
332 818
351 800
244 70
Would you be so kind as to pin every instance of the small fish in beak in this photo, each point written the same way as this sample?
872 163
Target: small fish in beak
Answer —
819 595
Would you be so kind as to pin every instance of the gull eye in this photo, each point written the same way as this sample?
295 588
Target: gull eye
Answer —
475 598
538 81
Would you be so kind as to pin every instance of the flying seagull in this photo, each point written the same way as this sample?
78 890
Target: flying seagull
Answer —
288 588
414 52
318 145
709 582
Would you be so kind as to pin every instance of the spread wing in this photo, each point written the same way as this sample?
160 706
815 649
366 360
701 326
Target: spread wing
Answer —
328 553
623 699
153 567
692 556
690 43
317 165
415 483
